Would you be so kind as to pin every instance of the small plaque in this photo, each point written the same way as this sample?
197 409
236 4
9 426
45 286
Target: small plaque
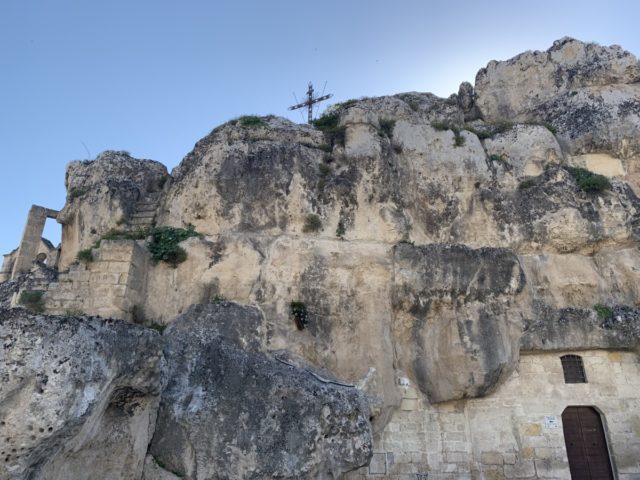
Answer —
550 421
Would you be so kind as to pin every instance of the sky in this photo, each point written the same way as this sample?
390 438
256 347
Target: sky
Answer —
152 77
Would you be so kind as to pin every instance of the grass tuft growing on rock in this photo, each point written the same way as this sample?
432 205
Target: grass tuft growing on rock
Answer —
300 314
604 312
250 121
386 127
312 223
588 181
32 299
458 139
85 256
329 124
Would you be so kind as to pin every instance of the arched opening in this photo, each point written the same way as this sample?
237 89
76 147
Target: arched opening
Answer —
586 444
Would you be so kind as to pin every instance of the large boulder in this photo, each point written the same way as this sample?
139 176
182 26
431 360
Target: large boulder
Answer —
78 396
231 411
458 317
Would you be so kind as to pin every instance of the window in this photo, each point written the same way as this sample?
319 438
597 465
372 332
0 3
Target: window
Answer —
573 369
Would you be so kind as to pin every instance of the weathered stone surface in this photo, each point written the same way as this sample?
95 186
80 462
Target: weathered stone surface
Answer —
589 93
230 413
458 317
101 195
581 329
77 396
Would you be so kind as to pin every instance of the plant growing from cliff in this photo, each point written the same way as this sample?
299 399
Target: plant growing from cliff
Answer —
299 313
587 180
85 256
312 223
528 183
324 171
458 139
217 299
386 127
164 244
250 121
604 312
329 123
33 300
340 230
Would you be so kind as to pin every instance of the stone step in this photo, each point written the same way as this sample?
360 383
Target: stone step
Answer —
149 214
141 222
146 207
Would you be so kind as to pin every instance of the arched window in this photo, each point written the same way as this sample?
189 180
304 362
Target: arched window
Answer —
573 369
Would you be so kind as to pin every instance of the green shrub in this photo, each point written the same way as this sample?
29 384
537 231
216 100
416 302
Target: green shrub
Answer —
299 312
528 183
218 299
386 127
340 230
589 181
329 124
250 121
604 312
32 299
441 126
312 223
85 256
164 244
158 327
327 121
73 312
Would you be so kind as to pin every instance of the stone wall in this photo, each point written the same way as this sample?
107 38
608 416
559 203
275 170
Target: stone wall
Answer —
504 435
112 285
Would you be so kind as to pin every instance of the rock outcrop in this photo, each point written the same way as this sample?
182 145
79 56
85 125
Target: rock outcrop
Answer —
77 396
403 252
461 308
589 93
102 195
231 411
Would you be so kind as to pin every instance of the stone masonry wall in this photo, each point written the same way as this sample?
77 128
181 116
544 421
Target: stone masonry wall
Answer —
504 435
111 285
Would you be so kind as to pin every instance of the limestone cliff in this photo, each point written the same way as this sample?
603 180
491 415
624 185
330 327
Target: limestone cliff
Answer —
406 247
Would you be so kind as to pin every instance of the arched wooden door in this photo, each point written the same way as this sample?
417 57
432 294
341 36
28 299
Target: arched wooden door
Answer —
586 444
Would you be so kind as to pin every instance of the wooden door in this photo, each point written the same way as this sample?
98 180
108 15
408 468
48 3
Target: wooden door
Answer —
586 444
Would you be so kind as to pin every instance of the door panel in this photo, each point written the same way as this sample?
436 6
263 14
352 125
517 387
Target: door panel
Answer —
586 444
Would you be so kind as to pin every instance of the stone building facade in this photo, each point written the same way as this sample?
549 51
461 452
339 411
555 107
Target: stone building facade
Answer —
516 432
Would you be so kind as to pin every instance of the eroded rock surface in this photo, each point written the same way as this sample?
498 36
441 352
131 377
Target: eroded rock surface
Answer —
459 314
230 413
589 93
102 195
78 396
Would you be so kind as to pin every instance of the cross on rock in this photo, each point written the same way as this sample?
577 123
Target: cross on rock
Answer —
311 100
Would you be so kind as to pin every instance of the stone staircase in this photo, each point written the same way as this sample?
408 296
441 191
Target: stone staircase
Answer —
145 212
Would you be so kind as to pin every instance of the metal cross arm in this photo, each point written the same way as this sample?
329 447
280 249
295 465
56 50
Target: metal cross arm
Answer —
311 100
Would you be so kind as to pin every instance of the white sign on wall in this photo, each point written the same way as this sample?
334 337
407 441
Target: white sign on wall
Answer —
550 421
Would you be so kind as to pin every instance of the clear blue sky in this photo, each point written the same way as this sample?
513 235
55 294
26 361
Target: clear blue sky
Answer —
154 76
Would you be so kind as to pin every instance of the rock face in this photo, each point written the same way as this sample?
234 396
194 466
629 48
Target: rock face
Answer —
102 195
457 307
589 93
232 413
77 396
430 241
